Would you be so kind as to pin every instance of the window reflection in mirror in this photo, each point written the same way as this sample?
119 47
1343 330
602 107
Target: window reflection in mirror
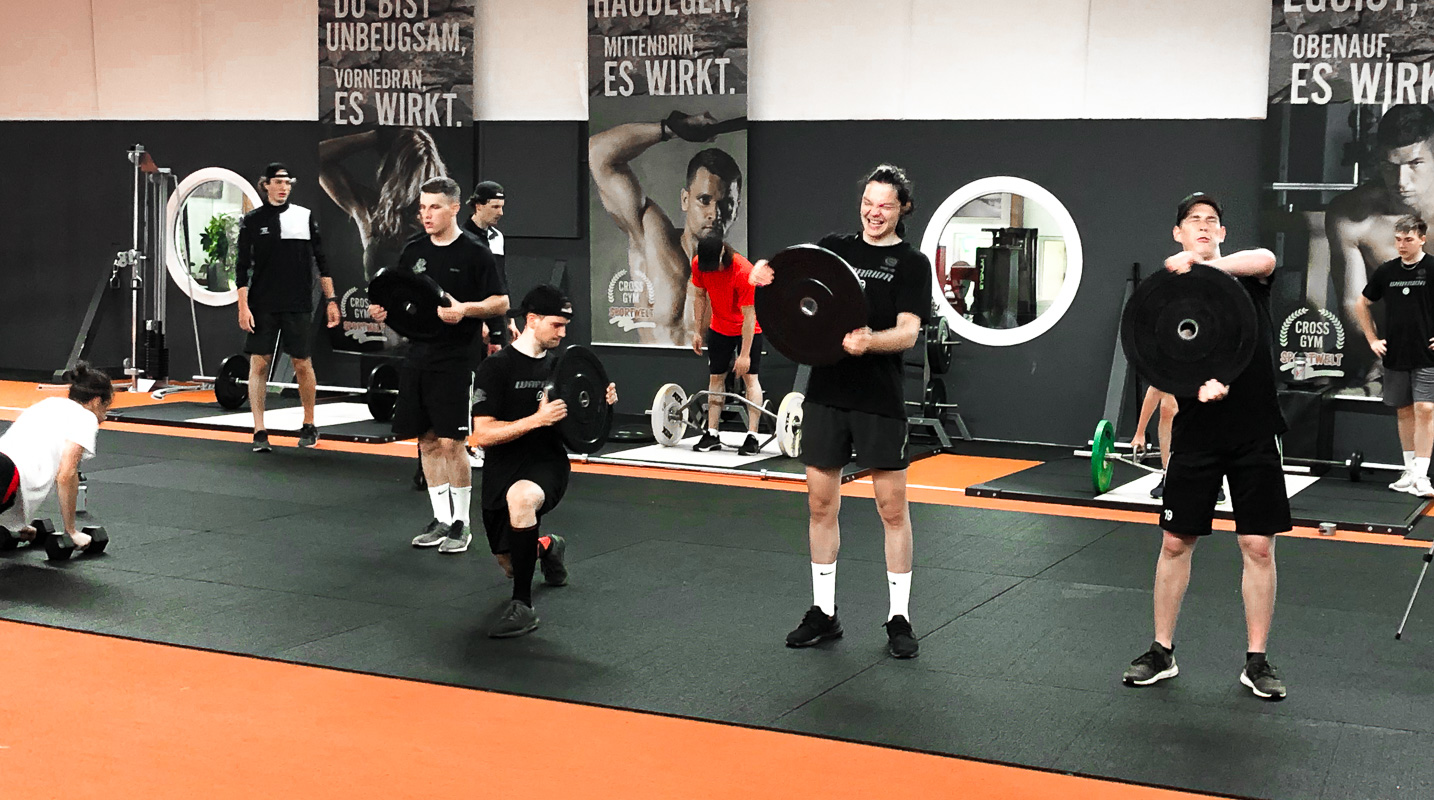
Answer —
203 233
1007 260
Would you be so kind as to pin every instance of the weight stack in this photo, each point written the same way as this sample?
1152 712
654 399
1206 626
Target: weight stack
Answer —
156 355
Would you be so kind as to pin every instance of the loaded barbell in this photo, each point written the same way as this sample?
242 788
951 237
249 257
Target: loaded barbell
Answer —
231 387
674 413
1103 456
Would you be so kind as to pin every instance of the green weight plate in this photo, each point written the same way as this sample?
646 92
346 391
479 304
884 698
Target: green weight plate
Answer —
1100 446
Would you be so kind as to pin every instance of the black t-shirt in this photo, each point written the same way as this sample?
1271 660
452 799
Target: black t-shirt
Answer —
1408 311
279 251
896 278
466 270
509 386
1251 410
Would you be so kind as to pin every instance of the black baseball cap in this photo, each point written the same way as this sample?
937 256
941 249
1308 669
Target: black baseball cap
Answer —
277 170
1195 199
547 301
485 191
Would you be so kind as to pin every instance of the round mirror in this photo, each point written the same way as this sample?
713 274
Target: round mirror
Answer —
203 223
1007 258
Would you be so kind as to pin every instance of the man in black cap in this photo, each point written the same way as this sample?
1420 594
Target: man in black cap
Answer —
279 252
487 203
526 470
1223 432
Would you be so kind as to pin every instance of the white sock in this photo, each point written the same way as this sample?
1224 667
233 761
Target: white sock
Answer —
824 587
900 585
1421 467
442 508
461 496
1409 461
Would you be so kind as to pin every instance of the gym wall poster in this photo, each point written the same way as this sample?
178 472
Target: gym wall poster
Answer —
667 155
1349 133
396 109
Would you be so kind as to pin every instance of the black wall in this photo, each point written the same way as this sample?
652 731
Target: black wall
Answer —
1120 180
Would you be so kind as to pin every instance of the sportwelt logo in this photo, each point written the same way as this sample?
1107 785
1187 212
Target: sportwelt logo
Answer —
1311 330
420 266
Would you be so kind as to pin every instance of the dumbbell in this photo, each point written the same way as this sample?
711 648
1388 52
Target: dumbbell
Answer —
43 528
59 546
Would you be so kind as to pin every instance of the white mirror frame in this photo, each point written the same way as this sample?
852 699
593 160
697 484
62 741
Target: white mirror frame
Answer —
1074 259
178 270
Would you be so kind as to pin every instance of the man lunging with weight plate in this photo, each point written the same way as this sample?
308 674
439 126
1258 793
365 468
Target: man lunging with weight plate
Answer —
721 285
44 447
858 403
1225 431
525 471
436 377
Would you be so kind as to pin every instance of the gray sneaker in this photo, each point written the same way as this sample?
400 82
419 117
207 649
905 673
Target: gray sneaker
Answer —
1262 679
518 618
432 536
457 540
1155 664
308 435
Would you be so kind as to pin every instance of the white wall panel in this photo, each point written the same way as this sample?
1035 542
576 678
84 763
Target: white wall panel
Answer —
810 59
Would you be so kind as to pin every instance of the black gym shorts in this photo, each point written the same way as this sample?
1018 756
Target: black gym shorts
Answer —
9 483
551 478
295 326
1257 489
830 434
433 401
722 353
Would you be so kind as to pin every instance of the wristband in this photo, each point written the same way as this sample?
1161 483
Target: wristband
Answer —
331 299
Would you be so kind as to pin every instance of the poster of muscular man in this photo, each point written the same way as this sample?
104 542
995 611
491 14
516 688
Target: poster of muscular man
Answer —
1350 129
667 155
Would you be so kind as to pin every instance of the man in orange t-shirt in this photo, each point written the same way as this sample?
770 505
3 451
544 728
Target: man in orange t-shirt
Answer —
720 285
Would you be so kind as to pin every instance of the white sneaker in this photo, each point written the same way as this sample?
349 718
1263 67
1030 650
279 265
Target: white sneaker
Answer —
1422 488
1405 482
475 457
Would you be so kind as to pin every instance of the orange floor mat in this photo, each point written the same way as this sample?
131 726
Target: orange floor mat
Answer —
167 722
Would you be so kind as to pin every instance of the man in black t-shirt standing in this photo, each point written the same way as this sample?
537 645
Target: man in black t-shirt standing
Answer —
278 253
436 378
526 469
487 202
1404 284
858 404
1223 431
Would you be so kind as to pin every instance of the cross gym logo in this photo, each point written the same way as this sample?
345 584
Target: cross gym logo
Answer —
1304 338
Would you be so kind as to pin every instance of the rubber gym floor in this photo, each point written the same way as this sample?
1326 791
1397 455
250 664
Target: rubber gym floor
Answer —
260 627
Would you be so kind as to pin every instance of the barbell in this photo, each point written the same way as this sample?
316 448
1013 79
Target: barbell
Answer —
1103 456
231 387
675 413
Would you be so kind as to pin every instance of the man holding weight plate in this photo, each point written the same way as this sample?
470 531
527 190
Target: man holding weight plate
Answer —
1224 431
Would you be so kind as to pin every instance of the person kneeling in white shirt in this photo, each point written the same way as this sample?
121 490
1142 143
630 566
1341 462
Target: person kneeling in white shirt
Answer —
44 448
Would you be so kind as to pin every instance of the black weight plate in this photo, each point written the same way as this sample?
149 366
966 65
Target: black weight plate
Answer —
412 302
815 299
935 399
938 348
227 390
1181 330
578 379
382 392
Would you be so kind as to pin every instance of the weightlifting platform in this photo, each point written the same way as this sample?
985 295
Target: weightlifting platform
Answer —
338 419
1367 505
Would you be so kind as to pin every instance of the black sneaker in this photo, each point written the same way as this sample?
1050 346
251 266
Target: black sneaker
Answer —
308 435
550 560
261 442
816 627
1155 664
709 441
900 641
1262 679
750 446
1159 490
